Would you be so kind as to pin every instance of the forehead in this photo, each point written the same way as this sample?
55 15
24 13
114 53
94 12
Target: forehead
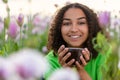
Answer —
74 13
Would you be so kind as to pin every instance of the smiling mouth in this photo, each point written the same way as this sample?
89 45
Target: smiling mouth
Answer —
75 36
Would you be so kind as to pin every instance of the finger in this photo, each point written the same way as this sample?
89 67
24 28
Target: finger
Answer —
61 48
70 63
87 51
66 56
90 54
86 54
62 53
63 60
79 67
83 60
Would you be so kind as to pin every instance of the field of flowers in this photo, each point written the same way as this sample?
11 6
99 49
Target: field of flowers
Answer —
23 33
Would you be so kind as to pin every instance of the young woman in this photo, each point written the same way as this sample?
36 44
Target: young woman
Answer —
74 25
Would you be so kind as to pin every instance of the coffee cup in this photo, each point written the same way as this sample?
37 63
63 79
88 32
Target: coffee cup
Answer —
75 54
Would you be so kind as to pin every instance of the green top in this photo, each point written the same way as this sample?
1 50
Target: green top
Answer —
93 67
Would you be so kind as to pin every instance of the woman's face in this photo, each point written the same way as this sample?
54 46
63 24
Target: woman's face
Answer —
74 27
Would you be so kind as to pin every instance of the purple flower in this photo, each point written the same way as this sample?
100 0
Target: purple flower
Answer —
36 20
64 74
104 18
40 24
25 70
44 49
3 73
5 69
20 19
116 21
29 63
12 30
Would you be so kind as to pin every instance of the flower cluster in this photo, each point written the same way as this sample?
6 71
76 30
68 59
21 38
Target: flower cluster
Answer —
26 64
21 31
64 74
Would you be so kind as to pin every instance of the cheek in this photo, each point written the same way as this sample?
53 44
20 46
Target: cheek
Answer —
64 30
85 31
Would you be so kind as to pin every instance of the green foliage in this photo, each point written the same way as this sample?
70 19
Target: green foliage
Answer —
110 68
43 40
8 48
6 22
5 1
101 43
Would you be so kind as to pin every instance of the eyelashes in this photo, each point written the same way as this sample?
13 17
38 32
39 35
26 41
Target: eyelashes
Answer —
81 23
69 23
66 23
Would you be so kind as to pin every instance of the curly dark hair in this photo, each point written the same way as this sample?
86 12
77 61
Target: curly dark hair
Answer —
55 39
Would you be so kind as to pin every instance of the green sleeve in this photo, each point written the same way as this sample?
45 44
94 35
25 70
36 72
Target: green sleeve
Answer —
99 63
94 67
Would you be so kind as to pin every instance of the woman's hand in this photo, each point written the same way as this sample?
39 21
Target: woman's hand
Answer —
80 67
85 57
82 73
62 57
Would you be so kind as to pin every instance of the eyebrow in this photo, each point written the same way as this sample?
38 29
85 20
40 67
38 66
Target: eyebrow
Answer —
77 18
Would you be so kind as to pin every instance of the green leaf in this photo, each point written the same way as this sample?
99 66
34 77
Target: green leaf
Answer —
5 1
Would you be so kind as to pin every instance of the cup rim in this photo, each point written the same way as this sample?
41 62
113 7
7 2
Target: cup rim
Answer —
75 48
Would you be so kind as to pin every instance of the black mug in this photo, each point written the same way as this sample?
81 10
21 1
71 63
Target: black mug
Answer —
75 54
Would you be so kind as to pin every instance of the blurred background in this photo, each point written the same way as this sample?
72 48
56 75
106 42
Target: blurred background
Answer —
25 24
47 7
34 17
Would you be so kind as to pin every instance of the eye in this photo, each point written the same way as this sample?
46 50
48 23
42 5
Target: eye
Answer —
66 23
81 23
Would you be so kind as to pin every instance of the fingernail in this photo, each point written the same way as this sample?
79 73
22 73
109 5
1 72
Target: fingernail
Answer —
62 46
83 51
85 48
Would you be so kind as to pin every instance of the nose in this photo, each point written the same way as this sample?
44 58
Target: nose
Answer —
74 28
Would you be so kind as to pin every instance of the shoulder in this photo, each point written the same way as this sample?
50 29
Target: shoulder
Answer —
51 56
52 59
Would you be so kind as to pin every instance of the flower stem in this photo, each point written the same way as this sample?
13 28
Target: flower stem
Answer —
21 44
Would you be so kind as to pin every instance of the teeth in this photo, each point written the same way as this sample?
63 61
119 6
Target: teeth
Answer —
75 36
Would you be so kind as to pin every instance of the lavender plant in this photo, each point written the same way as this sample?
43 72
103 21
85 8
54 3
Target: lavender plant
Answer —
110 69
25 64
17 32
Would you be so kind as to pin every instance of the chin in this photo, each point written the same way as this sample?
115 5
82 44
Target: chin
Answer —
77 46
